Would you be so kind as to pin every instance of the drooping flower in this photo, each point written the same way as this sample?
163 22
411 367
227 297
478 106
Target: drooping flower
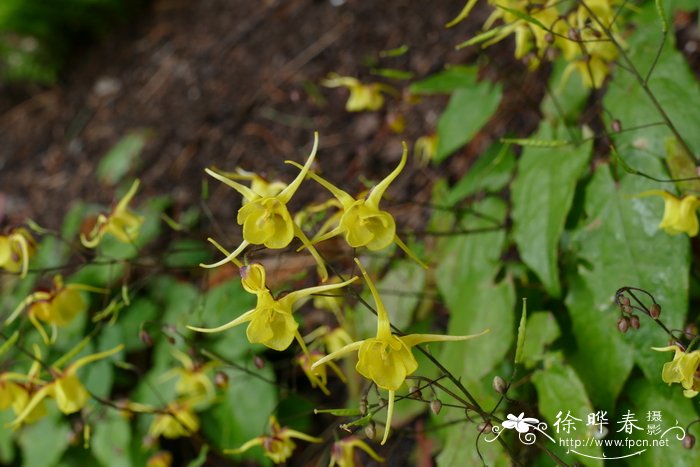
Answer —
679 213
176 421
425 149
193 383
56 307
271 321
278 445
266 219
121 223
362 96
16 247
65 389
362 223
387 359
682 369
343 452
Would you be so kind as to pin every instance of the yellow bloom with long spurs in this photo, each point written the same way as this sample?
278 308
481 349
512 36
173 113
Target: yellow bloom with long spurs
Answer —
343 452
193 382
362 96
679 213
362 222
56 307
278 445
121 223
16 247
682 369
258 184
266 219
66 389
271 322
387 359
318 377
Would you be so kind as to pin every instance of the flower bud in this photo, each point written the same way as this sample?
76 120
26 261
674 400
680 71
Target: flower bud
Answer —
626 309
259 362
617 127
624 301
499 385
691 331
484 427
370 430
145 337
688 441
363 406
655 311
549 38
623 324
221 380
435 406
634 321
414 392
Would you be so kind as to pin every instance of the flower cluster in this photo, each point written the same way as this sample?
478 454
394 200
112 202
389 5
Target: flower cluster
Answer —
585 35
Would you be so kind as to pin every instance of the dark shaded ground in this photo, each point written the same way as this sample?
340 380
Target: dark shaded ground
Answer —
224 83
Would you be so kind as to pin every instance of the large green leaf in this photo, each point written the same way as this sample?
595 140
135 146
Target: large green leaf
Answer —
560 392
122 157
44 442
543 191
451 79
491 172
644 398
622 246
460 448
110 440
672 83
468 110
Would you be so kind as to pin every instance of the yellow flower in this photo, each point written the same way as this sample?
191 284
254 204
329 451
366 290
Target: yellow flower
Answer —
362 96
387 359
425 149
66 389
176 421
15 250
318 377
160 459
56 307
257 183
679 213
16 395
271 321
362 222
682 369
266 219
278 445
122 223
343 452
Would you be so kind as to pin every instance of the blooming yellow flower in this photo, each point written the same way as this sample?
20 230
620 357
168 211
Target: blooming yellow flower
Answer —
122 223
56 307
17 395
16 247
176 421
66 389
266 219
343 452
362 222
387 359
278 445
682 369
271 321
679 213
362 96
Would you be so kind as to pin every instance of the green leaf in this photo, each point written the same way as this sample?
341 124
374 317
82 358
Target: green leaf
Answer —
672 83
122 157
465 277
644 398
622 246
565 100
460 448
400 289
491 172
468 110
44 442
444 82
110 440
560 391
187 253
541 330
542 194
